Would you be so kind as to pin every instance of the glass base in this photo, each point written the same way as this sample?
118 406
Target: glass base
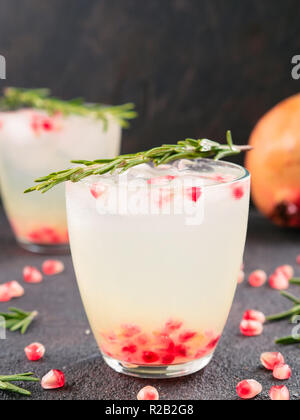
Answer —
45 249
158 372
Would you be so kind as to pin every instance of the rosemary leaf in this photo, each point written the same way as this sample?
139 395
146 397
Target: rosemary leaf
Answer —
295 281
277 317
17 319
185 149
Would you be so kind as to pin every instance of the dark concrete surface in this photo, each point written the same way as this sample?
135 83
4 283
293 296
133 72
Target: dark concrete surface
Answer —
62 325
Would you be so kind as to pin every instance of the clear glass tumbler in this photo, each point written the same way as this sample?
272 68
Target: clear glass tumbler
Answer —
157 252
33 143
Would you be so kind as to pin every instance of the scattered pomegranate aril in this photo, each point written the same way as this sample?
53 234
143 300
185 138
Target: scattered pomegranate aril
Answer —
286 270
53 379
282 372
52 267
279 393
148 393
252 315
258 278
298 259
251 328
279 281
270 359
186 336
15 289
248 389
241 277
35 351
32 275
4 293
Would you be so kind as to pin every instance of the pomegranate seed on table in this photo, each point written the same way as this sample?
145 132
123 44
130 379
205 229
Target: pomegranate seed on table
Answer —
148 393
286 270
298 259
52 267
279 281
258 278
251 328
53 379
4 293
279 393
252 315
270 359
32 275
35 351
15 289
248 389
241 277
282 372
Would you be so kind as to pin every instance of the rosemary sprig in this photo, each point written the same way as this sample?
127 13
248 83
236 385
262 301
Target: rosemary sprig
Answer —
283 315
6 385
15 98
17 319
295 281
185 149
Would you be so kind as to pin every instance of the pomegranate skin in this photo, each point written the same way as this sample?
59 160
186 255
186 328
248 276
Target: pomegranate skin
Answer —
274 163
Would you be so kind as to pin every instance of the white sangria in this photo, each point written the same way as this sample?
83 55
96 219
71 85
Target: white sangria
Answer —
157 252
35 141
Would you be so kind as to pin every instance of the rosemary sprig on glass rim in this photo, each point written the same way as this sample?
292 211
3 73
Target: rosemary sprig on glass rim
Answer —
15 98
185 149
17 319
6 385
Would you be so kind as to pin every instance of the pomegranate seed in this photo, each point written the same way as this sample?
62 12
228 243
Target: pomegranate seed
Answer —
282 372
150 357
32 275
15 289
186 336
4 293
97 190
241 277
52 267
213 343
298 259
160 180
180 350
193 193
148 393
129 330
130 349
53 380
279 393
35 351
270 359
238 192
168 359
252 315
251 328
248 389
258 278
286 270
279 281
172 325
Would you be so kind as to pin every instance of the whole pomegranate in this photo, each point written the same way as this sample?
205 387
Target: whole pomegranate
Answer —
274 163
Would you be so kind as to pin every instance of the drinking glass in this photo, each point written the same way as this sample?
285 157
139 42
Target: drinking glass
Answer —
32 143
157 253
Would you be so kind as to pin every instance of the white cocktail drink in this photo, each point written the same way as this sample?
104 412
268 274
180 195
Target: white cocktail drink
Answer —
157 253
32 143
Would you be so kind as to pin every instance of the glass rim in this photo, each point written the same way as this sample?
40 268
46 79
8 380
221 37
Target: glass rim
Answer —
245 174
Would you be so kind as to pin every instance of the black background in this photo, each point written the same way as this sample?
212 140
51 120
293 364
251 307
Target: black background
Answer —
193 67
